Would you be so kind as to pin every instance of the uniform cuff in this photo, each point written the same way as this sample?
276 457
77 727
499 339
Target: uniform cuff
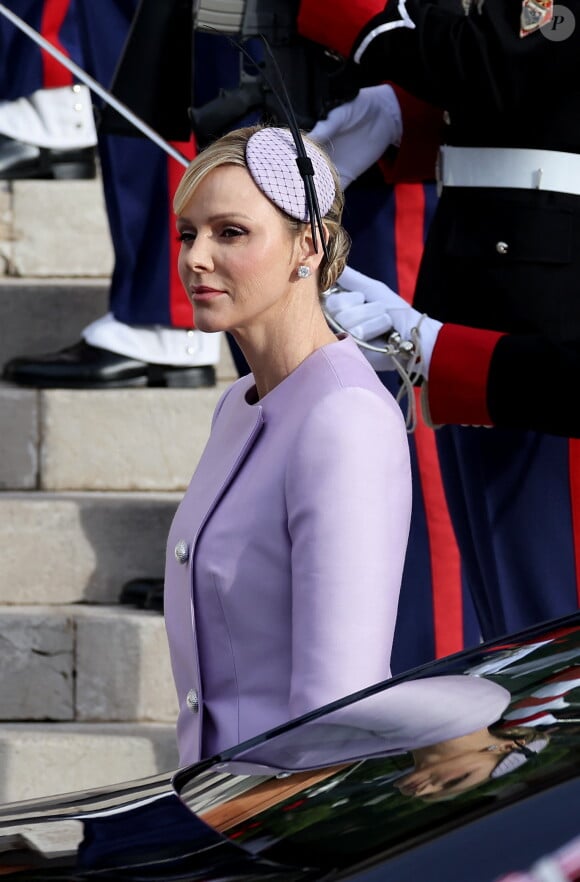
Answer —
458 376
336 25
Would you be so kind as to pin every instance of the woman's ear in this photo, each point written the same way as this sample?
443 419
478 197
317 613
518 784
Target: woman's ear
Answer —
307 254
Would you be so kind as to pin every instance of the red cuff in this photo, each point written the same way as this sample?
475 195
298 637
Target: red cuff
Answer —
416 158
458 374
336 25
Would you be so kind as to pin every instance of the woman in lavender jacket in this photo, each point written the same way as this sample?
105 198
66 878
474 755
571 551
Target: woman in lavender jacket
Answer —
285 556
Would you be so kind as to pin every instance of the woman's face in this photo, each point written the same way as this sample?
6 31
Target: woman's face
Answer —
449 777
238 256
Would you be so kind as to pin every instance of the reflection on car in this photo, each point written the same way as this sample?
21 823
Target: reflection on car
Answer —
463 769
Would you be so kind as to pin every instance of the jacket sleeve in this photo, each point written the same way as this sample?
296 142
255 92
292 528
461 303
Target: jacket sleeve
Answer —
415 159
449 58
485 378
336 26
348 491
459 376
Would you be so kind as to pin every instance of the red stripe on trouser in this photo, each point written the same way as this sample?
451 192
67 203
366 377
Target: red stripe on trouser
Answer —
443 551
574 474
53 73
180 309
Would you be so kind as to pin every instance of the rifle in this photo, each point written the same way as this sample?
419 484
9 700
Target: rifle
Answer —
316 79
155 74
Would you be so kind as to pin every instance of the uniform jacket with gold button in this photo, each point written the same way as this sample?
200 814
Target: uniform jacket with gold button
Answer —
501 265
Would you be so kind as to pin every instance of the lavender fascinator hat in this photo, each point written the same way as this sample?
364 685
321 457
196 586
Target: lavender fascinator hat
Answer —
271 156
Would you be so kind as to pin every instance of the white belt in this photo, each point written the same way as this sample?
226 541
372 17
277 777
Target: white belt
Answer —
509 167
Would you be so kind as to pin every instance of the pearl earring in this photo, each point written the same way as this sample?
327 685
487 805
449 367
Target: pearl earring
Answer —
303 271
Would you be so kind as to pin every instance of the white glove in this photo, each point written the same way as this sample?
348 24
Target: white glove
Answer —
363 320
369 308
357 134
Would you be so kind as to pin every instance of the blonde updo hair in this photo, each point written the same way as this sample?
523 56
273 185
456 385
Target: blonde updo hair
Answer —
231 150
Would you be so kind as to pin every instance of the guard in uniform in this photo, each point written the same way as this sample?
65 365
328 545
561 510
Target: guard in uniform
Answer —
503 258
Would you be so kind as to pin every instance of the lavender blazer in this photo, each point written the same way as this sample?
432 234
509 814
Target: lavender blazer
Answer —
285 557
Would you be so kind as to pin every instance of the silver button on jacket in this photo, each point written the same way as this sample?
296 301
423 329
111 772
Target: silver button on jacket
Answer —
182 551
502 247
192 701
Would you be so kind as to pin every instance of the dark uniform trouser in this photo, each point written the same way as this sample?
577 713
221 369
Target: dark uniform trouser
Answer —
388 225
138 177
514 498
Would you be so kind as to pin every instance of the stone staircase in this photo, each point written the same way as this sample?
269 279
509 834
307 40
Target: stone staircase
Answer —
89 482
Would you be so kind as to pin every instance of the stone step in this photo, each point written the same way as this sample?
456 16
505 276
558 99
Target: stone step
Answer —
42 759
61 548
85 664
54 228
114 439
44 315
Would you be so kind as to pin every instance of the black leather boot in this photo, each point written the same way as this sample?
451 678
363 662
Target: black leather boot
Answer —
19 160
